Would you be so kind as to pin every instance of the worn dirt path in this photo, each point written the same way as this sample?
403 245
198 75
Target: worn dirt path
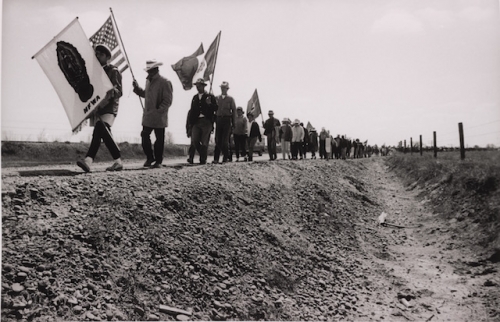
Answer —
419 273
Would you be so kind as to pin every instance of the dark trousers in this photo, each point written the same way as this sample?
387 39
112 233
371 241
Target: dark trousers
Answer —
251 144
159 143
303 149
200 136
102 132
222 133
322 149
271 146
239 144
296 148
336 152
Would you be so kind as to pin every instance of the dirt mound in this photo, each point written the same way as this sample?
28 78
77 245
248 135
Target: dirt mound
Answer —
269 240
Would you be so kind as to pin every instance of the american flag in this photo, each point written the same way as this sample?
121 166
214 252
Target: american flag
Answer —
107 35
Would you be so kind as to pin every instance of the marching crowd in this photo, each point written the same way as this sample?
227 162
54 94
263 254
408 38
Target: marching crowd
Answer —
206 111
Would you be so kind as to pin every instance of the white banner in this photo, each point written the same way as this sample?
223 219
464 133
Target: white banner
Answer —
70 63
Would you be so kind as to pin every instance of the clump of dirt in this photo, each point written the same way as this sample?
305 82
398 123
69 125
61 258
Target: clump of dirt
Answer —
247 241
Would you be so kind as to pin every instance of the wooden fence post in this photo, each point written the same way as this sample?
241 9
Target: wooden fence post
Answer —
404 150
435 146
420 144
411 145
462 145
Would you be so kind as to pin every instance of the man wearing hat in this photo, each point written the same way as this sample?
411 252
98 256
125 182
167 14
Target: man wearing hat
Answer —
158 98
200 121
270 132
226 114
105 115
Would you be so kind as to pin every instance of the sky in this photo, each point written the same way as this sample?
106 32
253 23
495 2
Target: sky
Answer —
377 70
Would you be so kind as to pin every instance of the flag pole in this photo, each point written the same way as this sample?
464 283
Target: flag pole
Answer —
215 62
261 114
124 51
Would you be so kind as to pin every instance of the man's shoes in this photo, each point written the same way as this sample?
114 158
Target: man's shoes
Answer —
190 161
115 167
156 166
215 161
82 164
203 162
149 162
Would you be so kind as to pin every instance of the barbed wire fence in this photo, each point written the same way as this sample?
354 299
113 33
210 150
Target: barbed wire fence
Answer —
450 140
54 132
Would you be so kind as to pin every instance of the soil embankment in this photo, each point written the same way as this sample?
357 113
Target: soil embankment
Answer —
241 241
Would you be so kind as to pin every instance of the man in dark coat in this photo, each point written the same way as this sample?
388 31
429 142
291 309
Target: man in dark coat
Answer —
271 132
343 148
200 121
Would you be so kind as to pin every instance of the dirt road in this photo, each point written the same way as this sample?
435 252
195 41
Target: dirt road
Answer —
283 240
422 276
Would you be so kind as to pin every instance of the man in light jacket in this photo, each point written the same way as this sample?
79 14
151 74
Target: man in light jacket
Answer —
158 98
297 138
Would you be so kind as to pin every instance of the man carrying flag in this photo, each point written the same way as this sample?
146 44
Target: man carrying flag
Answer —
105 113
158 95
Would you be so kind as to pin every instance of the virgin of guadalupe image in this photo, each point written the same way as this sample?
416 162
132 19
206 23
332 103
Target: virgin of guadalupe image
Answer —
73 67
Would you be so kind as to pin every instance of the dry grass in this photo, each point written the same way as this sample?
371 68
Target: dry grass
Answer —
39 153
479 172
